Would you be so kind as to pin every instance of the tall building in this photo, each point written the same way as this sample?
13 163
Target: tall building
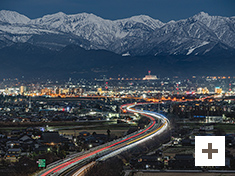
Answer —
99 90
57 90
46 91
30 104
23 89
218 90
150 77
201 90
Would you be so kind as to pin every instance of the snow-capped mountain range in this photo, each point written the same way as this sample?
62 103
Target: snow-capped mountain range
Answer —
137 35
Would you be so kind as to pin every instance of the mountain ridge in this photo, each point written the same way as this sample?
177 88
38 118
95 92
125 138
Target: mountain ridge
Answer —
137 35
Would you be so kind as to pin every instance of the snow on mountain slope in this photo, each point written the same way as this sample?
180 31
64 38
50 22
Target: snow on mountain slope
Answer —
223 27
137 35
180 36
148 21
100 32
193 48
12 17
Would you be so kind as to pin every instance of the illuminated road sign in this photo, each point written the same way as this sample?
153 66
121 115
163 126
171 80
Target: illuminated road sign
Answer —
41 162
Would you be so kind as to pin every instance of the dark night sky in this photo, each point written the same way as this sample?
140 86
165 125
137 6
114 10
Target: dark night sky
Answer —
164 10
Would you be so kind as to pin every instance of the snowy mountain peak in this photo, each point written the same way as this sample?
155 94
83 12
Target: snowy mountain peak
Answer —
154 23
13 17
147 20
55 16
137 35
82 15
62 19
202 14
202 17
60 13
141 18
90 16
172 21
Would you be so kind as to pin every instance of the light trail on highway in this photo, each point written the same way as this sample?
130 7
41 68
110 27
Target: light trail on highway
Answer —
113 148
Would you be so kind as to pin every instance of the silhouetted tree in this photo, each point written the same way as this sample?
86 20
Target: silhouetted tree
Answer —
108 132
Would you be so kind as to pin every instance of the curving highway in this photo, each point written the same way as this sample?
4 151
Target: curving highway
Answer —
157 125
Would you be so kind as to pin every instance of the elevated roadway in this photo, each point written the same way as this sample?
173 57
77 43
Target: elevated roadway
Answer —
73 164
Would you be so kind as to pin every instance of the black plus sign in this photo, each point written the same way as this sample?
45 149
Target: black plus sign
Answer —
209 150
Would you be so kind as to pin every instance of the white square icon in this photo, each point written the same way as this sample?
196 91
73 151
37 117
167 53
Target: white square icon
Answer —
209 150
